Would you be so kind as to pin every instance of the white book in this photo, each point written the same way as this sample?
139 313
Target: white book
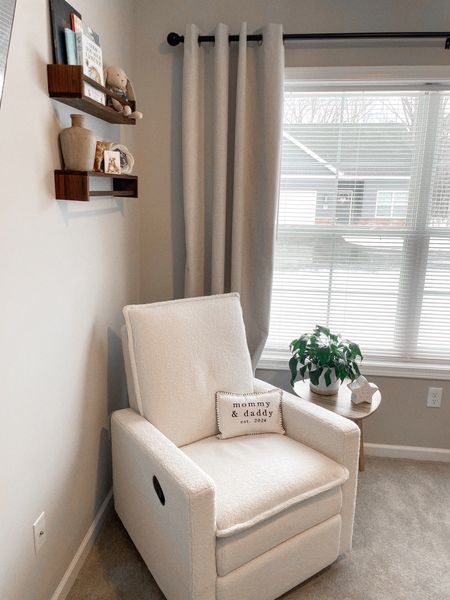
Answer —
90 57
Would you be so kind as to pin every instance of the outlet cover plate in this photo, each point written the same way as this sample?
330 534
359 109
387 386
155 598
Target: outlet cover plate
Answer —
40 532
434 397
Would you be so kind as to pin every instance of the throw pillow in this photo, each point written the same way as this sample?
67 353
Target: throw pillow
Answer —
244 414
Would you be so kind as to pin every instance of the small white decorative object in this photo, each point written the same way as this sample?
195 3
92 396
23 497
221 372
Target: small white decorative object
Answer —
362 390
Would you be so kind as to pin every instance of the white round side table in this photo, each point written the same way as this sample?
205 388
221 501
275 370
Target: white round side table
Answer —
341 404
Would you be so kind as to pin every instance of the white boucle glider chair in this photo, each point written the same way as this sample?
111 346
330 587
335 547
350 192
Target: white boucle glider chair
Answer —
245 518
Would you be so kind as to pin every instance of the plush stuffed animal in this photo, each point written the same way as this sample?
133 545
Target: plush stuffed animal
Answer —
118 82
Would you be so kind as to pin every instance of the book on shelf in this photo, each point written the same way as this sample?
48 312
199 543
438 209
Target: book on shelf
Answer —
79 27
71 47
60 18
90 57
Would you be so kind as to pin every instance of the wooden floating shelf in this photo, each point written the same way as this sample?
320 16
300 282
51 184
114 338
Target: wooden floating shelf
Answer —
66 84
74 185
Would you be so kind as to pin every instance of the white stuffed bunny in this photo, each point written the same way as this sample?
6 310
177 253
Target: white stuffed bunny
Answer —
117 81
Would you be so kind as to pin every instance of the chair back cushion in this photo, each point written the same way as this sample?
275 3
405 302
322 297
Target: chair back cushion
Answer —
181 353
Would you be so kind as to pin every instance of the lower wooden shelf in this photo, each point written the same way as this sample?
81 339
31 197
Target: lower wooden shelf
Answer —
74 185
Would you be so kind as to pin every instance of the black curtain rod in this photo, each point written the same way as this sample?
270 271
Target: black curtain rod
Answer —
173 39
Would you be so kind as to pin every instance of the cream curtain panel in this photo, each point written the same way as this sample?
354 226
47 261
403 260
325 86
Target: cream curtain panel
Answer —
232 118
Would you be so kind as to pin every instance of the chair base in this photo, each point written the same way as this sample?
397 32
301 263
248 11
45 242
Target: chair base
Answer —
279 570
285 566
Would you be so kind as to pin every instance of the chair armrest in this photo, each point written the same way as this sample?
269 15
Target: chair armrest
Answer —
317 427
178 470
328 433
174 536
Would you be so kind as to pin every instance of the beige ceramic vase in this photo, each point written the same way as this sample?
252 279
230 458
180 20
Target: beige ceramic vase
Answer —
78 146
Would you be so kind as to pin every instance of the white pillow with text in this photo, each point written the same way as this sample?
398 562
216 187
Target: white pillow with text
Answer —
245 414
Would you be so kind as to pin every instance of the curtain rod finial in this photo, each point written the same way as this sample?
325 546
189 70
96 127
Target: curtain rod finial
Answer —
173 39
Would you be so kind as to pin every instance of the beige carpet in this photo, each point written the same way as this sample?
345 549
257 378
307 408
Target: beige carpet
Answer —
401 545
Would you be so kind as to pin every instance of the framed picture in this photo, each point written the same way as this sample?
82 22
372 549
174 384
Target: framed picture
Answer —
7 8
126 158
112 162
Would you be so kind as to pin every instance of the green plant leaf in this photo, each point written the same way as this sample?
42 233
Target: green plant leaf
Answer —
302 371
302 346
314 377
323 354
322 329
293 368
328 377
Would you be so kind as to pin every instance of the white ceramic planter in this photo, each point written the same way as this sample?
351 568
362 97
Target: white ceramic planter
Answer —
323 388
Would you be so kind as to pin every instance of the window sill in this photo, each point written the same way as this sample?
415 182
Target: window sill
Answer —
437 371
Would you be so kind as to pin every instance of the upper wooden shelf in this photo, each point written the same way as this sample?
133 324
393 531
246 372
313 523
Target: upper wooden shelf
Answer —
66 84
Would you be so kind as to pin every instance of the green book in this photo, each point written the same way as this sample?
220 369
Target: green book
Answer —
71 46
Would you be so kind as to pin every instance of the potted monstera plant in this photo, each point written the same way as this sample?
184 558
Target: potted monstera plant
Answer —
326 358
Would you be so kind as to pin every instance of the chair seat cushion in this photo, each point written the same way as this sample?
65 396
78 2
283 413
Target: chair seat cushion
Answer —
258 477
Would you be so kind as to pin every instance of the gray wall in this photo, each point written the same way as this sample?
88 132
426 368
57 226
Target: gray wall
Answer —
402 418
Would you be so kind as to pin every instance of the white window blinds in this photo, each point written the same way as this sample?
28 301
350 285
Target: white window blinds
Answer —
363 232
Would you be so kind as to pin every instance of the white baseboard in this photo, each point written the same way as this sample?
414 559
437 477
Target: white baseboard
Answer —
411 452
80 555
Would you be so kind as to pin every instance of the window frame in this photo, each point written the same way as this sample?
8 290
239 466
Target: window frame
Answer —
391 204
395 78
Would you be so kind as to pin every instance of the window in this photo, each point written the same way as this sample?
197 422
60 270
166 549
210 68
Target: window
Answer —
391 204
363 234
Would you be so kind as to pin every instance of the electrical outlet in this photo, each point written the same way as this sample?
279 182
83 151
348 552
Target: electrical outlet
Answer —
434 397
40 532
